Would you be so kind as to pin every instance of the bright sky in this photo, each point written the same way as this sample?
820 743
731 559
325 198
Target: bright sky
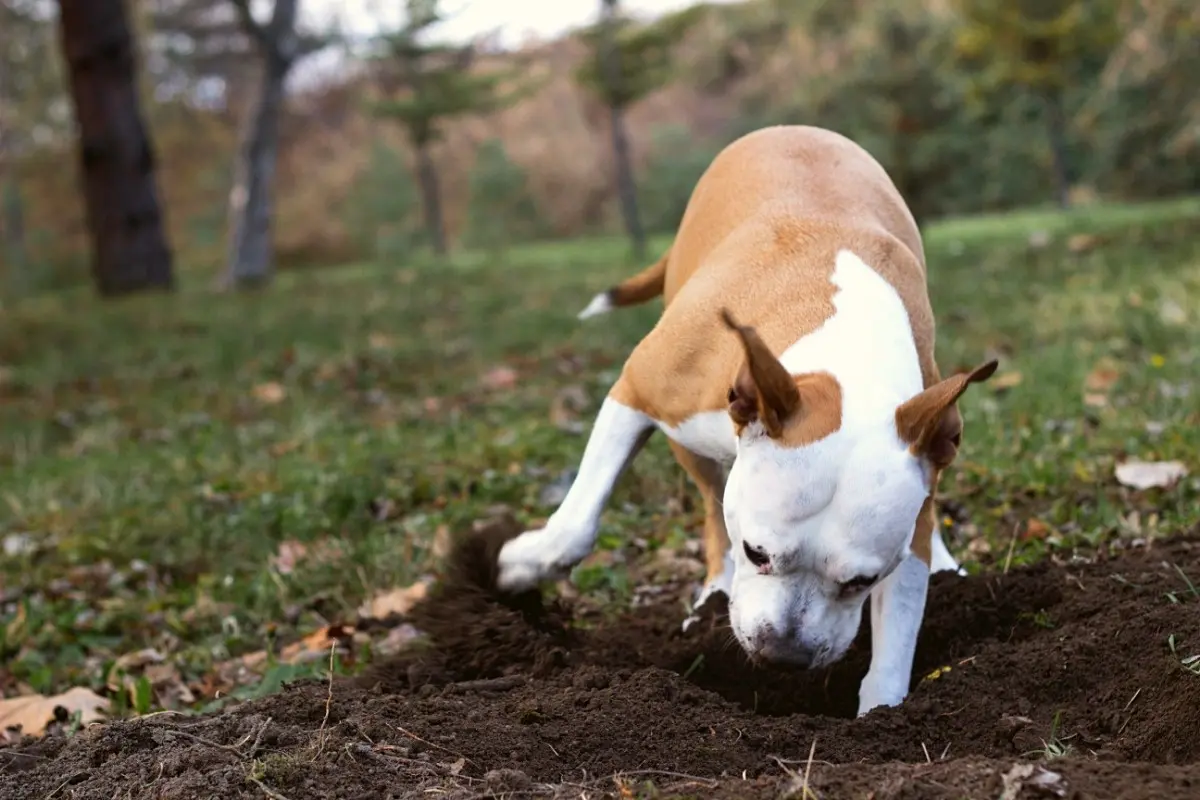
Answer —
515 19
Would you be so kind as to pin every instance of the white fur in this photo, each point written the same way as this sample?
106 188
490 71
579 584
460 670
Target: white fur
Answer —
828 512
601 304
617 435
841 507
710 434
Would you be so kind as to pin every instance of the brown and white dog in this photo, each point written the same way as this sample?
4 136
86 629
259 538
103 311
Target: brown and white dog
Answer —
793 372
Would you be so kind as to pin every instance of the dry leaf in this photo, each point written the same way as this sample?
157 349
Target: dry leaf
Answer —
1150 474
1102 377
1035 529
380 341
395 601
271 392
441 542
500 378
33 713
1082 242
1006 380
289 555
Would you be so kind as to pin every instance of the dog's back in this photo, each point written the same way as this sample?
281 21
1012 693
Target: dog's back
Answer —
760 237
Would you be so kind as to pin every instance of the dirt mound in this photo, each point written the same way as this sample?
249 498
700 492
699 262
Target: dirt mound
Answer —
1062 680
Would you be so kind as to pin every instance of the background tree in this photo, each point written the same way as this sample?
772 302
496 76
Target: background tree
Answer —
1042 46
426 83
129 247
280 46
626 62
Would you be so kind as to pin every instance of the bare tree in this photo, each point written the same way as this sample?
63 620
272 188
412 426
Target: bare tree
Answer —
629 61
429 83
250 203
129 248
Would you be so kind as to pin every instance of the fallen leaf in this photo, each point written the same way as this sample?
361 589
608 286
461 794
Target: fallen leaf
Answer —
441 542
1102 377
33 713
380 341
1150 474
1095 399
1082 242
396 640
1035 529
290 553
500 378
1005 381
316 644
164 679
395 601
271 392
1013 780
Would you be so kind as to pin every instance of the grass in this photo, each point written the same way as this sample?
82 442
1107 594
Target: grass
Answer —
205 475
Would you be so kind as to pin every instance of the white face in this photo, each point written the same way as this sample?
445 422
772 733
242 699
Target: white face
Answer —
813 529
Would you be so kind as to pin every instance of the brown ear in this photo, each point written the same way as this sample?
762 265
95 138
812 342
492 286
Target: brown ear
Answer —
764 390
930 422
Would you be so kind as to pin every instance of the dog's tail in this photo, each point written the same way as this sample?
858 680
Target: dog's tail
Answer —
644 286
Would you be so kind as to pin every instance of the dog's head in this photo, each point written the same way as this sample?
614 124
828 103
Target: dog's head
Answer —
818 514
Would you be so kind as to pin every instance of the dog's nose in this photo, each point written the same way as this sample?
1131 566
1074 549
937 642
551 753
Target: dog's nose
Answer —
781 647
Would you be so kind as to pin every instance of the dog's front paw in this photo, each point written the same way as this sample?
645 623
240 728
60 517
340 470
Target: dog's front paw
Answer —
523 562
876 694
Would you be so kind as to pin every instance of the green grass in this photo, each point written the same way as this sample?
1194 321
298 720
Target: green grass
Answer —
144 488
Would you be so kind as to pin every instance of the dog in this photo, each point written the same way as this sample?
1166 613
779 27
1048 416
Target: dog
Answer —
792 370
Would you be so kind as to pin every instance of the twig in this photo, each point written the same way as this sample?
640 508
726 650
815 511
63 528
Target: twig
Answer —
328 703
1012 545
413 736
267 790
487 685
804 790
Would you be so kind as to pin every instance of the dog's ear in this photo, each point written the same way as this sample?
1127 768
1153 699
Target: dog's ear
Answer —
764 390
930 422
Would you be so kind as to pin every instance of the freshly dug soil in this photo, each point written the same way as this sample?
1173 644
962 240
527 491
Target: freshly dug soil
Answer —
1061 683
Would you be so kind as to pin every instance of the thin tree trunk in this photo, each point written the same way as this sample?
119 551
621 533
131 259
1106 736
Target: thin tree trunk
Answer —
1056 129
626 187
125 221
431 199
250 203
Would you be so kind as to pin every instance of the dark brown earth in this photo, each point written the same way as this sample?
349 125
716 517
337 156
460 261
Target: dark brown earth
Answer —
517 699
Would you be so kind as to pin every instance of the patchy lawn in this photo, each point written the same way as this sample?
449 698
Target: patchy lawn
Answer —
211 477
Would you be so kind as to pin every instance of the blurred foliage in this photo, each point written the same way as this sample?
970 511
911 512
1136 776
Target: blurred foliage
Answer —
642 57
671 172
950 96
382 216
501 211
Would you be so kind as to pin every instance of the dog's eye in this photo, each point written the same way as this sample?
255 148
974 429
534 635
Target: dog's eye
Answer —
757 557
857 583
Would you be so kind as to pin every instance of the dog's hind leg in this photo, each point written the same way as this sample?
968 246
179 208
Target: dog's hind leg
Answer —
709 477
617 436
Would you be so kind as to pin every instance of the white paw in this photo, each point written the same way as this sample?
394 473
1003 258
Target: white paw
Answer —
873 694
522 562
532 558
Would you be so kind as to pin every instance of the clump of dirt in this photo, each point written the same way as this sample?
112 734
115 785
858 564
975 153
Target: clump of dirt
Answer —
1057 680
479 632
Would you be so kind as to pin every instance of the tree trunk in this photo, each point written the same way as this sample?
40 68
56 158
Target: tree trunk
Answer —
1056 129
125 221
626 188
250 203
431 199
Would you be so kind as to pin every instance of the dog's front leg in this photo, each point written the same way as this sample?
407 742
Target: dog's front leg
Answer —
897 608
617 435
